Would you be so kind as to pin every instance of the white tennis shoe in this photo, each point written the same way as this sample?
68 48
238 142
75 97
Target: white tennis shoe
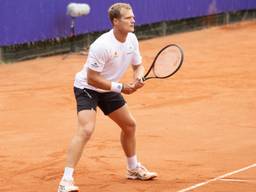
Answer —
140 173
67 186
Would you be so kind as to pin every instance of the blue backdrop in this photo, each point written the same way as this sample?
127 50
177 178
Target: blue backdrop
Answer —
24 21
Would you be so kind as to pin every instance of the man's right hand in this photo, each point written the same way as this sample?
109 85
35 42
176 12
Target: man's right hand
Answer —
128 88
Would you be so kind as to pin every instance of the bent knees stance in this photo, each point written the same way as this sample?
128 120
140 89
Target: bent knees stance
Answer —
86 131
86 124
129 128
124 120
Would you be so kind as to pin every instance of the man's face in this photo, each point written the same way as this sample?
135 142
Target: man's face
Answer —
126 22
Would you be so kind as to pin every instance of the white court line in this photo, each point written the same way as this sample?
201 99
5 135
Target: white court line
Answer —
217 178
238 180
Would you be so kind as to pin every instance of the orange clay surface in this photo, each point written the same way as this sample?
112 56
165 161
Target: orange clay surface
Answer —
193 127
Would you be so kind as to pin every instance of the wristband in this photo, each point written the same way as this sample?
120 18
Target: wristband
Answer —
116 87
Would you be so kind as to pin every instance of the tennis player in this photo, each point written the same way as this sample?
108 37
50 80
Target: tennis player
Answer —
97 84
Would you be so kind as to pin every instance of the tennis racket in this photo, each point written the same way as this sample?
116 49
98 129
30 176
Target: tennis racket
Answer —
166 63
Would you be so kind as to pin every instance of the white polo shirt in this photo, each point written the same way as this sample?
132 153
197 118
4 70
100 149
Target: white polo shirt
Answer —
109 57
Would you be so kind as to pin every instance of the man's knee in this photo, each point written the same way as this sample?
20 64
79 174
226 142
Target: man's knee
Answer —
130 127
86 123
86 130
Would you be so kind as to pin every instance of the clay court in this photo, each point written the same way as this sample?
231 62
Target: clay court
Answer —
196 129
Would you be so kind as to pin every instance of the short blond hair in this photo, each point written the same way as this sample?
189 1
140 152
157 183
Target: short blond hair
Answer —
115 10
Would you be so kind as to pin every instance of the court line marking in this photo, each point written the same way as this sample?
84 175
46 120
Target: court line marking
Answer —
237 180
217 178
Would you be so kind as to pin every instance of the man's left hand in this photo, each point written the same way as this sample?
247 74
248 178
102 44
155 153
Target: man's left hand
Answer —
138 83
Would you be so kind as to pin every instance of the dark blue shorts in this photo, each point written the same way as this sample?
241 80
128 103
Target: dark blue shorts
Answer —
87 99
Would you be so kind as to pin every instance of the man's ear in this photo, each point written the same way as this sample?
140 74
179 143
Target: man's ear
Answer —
115 21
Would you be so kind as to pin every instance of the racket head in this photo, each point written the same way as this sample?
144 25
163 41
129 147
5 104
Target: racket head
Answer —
166 63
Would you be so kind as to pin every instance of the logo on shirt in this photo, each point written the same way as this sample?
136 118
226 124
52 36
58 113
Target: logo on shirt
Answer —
115 54
130 50
95 65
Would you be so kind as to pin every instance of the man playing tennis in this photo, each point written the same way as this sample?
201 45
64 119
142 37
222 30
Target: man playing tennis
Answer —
97 85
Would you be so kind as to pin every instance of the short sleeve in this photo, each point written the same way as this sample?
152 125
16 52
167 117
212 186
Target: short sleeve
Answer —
137 59
97 57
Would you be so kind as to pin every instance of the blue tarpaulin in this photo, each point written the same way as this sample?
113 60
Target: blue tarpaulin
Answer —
29 20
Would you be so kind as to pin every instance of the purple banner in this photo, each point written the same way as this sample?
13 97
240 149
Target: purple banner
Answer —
29 20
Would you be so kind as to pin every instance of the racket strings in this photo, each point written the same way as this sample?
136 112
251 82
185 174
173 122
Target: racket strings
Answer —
167 62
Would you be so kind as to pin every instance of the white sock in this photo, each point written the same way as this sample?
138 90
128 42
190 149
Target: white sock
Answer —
132 162
68 173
